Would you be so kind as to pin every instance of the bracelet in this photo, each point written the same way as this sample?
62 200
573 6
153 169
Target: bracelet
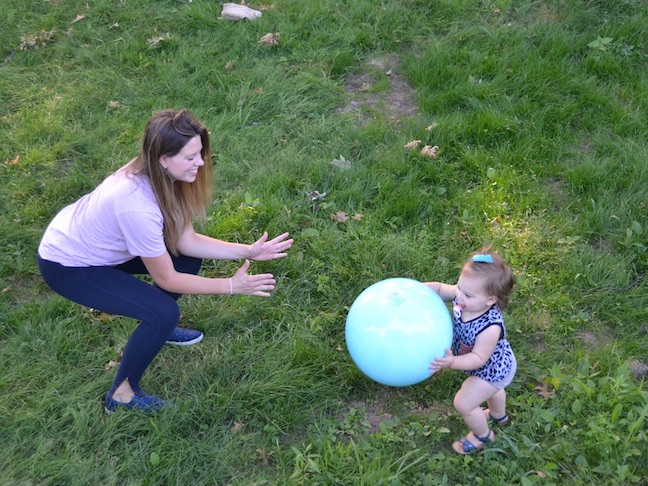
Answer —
231 289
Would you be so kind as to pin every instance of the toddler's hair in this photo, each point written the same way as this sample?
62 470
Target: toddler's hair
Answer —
498 276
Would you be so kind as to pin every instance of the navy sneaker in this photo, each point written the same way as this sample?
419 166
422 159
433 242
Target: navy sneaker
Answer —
182 336
145 403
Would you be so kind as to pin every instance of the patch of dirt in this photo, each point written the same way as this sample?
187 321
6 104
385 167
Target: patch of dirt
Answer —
594 339
541 12
638 368
601 244
397 101
21 291
588 337
542 325
557 187
586 147
390 404
375 413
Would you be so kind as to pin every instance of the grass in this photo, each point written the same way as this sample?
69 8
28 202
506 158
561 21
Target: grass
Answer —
543 153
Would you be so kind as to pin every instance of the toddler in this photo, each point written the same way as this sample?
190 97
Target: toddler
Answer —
479 346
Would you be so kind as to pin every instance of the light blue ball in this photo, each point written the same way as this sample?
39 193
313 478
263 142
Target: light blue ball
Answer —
395 328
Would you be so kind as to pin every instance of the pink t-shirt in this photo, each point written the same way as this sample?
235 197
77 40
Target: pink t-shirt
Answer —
116 222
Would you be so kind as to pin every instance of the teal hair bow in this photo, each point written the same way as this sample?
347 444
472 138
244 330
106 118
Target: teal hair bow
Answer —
483 258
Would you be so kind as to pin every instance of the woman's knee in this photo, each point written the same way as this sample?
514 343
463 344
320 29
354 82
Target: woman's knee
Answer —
166 313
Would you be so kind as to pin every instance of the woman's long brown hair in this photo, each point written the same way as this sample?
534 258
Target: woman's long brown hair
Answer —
166 133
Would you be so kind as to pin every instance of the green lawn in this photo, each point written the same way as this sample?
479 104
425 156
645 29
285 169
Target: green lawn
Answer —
539 110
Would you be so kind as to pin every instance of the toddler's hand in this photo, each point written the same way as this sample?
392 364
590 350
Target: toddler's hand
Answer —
442 363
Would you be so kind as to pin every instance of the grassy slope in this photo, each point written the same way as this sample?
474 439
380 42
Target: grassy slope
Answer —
543 154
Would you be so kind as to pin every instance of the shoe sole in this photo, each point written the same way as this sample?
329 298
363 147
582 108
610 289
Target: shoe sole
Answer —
111 411
187 343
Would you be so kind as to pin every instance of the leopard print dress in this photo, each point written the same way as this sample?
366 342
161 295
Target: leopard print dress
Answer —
501 361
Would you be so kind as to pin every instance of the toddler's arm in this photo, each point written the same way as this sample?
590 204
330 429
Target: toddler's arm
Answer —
476 358
446 292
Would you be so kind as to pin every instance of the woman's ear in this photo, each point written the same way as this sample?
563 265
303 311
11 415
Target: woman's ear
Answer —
164 162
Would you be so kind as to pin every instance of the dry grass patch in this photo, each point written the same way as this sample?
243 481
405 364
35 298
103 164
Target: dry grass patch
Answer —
398 100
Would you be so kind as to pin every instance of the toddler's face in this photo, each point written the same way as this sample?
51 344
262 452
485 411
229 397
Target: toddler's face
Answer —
471 295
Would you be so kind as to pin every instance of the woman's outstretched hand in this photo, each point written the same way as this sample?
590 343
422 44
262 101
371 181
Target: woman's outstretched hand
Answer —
260 285
264 249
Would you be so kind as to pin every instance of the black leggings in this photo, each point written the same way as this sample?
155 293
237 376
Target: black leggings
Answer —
115 290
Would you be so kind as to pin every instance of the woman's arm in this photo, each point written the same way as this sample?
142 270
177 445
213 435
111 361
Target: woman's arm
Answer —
447 292
165 275
200 246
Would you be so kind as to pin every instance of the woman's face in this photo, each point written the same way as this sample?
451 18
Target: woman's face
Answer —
184 165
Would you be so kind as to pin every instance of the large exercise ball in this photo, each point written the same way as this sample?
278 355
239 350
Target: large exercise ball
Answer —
395 328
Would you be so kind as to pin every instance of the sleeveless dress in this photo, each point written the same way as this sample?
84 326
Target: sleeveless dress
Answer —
500 364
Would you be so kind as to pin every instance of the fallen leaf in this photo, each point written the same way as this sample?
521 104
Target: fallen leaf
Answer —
413 144
113 362
110 364
340 217
464 234
258 91
316 196
342 163
34 41
16 160
432 127
230 65
365 87
155 41
78 18
270 39
496 11
237 428
430 151
544 391
264 456
97 315
113 104
357 216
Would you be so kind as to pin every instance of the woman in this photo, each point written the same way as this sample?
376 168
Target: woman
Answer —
140 221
